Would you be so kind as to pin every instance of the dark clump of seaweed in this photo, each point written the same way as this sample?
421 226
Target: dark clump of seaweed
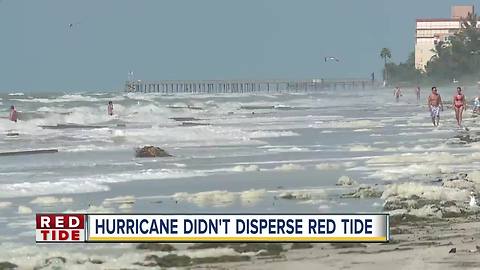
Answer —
170 260
156 247
221 259
208 245
301 246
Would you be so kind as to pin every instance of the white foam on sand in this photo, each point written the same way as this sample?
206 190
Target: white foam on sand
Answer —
430 192
221 198
245 168
304 196
408 165
328 166
252 196
211 252
216 198
287 150
125 206
406 171
346 181
24 210
5 204
76 257
323 207
289 167
50 200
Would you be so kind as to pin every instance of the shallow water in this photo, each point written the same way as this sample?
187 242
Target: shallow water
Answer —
242 160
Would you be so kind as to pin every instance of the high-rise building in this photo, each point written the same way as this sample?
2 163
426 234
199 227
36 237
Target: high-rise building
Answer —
431 31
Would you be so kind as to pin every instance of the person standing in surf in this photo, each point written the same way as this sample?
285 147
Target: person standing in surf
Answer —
397 93
13 116
435 104
110 108
459 105
417 91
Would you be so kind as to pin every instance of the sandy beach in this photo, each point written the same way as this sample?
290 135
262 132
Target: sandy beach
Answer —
317 157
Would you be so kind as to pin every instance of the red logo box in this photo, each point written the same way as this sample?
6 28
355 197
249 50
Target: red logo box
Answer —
54 228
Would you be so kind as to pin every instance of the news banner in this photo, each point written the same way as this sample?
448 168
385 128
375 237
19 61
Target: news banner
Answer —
90 228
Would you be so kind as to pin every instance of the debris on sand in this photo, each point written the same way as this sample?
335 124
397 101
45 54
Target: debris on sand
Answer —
430 201
151 151
52 263
295 196
221 259
346 181
170 260
191 124
301 245
7 266
364 192
156 247
183 119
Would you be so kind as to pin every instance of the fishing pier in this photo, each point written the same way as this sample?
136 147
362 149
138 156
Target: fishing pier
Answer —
244 86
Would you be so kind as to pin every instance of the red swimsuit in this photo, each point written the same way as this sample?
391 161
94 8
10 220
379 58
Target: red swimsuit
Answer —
458 101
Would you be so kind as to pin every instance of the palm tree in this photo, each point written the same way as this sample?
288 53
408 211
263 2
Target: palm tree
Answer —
384 54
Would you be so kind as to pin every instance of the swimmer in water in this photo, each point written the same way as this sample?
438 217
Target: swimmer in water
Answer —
459 105
110 108
435 104
13 114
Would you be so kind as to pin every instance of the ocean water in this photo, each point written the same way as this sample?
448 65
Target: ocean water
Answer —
242 154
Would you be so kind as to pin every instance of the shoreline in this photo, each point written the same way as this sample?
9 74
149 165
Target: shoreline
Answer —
391 151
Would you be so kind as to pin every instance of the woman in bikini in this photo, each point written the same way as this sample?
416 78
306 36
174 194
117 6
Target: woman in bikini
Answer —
459 105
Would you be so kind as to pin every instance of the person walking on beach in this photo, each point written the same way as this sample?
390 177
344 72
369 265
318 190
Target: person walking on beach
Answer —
417 91
110 108
397 93
459 105
476 104
13 114
435 104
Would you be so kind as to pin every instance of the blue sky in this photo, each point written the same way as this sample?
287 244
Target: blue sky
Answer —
199 39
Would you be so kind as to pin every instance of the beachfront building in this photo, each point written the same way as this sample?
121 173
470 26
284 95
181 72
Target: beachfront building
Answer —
431 31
